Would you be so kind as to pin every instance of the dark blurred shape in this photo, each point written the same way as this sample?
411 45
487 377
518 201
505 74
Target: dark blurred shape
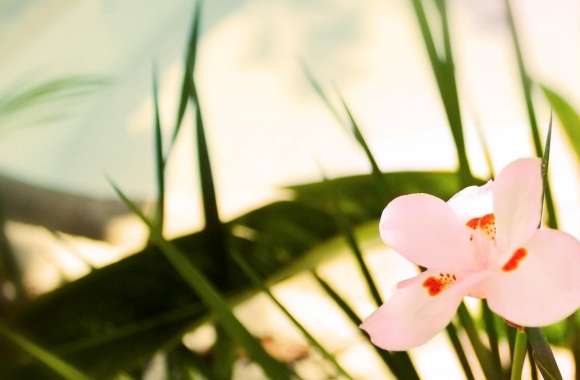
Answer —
57 210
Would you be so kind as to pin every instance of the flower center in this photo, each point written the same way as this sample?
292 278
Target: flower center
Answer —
485 224
436 284
514 261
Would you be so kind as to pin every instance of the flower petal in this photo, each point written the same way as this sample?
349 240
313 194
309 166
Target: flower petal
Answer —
413 315
517 202
425 230
472 202
539 284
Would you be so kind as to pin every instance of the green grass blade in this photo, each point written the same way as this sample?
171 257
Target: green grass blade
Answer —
159 158
204 166
543 354
64 369
481 352
456 343
569 118
190 61
210 297
490 328
526 84
350 124
444 73
451 92
520 350
360 139
541 350
259 283
545 164
223 355
525 81
347 232
317 87
533 366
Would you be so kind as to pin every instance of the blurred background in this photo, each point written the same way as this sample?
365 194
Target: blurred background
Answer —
76 106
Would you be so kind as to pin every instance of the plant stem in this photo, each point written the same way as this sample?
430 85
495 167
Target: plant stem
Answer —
520 350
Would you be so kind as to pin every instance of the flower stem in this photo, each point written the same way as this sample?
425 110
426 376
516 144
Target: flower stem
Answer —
520 350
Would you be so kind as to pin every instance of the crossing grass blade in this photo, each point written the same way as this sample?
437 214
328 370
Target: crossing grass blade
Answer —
210 297
456 343
543 354
259 283
190 60
526 84
64 369
568 116
541 350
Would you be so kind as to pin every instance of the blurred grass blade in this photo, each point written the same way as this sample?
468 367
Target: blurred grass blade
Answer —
351 125
526 84
190 60
159 158
389 358
444 73
490 328
71 248
211 298
259 283
543 355
50 360
67 87
184 364
317 87
485 149
347 232
569 118
483 355
359 137
223 356
456 343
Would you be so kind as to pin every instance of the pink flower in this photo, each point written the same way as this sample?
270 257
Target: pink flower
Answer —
484 242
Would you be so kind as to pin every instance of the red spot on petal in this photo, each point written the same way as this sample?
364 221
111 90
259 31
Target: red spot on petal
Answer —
436 285
473 223
485 224
514 261
487 221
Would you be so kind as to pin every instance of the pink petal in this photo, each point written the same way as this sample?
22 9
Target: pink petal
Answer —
472 202
540 284
412 315
517 202
425 230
